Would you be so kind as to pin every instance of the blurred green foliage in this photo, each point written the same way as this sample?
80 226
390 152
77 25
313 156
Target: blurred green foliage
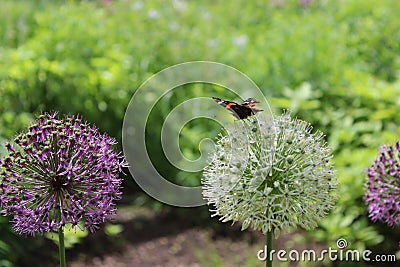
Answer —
333 63
71 236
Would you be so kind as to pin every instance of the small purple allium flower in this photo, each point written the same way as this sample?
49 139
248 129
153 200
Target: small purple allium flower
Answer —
61 171
383 186
305 3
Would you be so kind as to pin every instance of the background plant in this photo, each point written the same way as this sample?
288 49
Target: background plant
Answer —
335 64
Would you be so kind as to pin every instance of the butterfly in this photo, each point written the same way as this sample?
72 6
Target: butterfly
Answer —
242 111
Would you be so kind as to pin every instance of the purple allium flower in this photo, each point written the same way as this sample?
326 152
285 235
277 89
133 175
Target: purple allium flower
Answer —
383 186
61 171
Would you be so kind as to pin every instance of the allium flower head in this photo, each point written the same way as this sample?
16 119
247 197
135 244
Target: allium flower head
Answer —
272 174
383 187
61 171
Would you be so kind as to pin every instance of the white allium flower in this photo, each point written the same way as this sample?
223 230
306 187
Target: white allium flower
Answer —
271 174
153 14
240 40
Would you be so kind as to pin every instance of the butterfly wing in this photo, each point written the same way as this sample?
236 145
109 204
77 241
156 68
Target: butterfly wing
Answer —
238 111
250 103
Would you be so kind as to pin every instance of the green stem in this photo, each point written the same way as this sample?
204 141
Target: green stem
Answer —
268 262
61 247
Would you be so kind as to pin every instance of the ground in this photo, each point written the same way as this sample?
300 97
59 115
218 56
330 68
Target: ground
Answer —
171 240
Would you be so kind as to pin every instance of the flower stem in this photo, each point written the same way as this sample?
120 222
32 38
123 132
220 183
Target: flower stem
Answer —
268 262
61 247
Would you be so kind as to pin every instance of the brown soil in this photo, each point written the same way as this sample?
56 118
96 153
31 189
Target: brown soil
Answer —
168 240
